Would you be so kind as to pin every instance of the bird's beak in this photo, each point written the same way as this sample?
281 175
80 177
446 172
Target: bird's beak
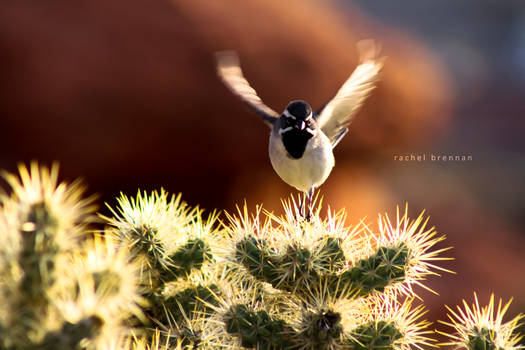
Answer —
301 125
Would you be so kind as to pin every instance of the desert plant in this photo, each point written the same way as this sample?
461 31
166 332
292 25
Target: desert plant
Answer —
161 275
173 244
320 285
60 287
481 327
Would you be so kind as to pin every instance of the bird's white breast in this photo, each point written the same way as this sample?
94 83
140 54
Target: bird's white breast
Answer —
311 170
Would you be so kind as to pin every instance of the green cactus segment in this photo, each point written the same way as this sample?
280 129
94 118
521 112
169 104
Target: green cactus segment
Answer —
38 255
295 270
290 272
188 257
322 330
256 329
382 269
298 270
72 336
258 259
191 300
482 339
377 335
331 256
37 260
145 241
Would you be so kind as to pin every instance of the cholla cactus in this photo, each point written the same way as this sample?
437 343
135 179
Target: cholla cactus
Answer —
102 276
153 227
55 293
169 238
320 285
43 220
482 328
160 277
293 255
174 246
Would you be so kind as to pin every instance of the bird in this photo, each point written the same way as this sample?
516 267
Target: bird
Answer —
302 140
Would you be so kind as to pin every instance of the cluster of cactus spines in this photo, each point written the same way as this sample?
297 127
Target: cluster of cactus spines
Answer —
292 255
273 319
153 226
174 246
482 328
404 316
256 328
325 320
43 224
158 341
419 240
104 270
246 315
160 276
314 275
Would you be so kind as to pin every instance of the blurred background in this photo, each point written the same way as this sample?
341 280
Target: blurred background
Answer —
123 93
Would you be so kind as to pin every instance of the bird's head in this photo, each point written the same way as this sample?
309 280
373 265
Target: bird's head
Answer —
297 116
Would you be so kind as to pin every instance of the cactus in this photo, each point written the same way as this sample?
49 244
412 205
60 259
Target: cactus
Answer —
43 224
256 328
174 245
378 335
482 328
161 276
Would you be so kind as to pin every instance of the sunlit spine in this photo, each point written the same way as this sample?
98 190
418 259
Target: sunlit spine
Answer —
294 255
173 244
476 327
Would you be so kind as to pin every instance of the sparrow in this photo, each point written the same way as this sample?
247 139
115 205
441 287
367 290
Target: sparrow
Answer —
302 140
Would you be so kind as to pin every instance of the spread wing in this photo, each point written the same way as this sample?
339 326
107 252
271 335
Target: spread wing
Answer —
229 70
335 117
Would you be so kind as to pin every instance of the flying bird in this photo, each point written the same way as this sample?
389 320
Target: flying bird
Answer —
302 140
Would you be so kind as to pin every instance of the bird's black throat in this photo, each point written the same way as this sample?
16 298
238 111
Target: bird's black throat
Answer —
295 142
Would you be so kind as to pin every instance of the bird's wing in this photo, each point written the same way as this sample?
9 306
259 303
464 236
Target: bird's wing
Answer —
230 72
335 116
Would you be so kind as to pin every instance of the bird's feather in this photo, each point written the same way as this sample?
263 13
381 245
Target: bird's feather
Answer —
229 70
339 137
339 112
